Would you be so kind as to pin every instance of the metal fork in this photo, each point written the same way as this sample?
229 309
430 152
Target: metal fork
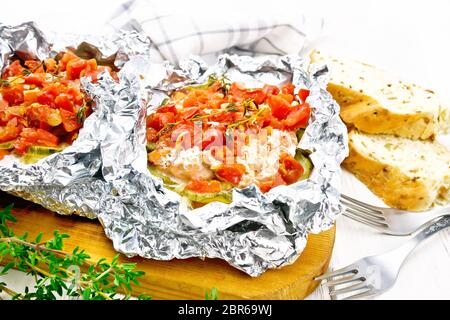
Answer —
374 275
387 220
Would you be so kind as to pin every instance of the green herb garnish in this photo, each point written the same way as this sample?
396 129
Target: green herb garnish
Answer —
61 274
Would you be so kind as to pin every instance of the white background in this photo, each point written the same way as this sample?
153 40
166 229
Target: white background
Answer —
409 38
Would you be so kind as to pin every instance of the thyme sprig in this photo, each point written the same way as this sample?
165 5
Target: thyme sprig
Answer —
59 274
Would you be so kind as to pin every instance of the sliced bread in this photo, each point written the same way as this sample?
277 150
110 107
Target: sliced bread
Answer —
376 102
406 174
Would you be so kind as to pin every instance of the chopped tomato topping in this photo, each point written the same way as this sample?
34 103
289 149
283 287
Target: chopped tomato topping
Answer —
31 136
288 89
30 96
13 94
152 135
3 153
167 108
74 68
204 186
303 94
188 113
298 117
269 90
213 137
239 93
36 79
290 169
279 106
231 172
13 70
63 101
158 120
9 132
51 65
69 120
40 105
267 185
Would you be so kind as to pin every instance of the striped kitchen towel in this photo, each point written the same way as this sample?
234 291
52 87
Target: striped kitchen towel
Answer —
178 31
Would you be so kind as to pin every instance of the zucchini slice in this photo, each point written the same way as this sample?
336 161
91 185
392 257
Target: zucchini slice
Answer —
43 151
28 158
306 164
169 183
7 145
151 146
223 196
299 134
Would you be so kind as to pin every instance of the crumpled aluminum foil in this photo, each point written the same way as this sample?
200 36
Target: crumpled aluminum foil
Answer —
104 173
68 182
256 231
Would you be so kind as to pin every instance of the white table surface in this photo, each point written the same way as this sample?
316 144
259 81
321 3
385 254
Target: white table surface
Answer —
408 37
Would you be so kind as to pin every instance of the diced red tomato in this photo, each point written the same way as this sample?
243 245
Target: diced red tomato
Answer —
34 66
265 118
46 98
267 185
152 135
279 106
240 93
303 94
36 79
68 56
63 101
225 117
271 90
51 65
32 136
76 96
43 114
213 137
74 68
13 94
298 117
204 186
287 96
9 132
3 153
158 120
167 108
3 104
288 88
13 70
289 169
69 120
188 113
183 134
30 96
231 172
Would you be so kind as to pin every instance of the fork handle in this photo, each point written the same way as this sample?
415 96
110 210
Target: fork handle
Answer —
402 252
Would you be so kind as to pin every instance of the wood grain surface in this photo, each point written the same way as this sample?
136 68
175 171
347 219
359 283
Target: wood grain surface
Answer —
183 279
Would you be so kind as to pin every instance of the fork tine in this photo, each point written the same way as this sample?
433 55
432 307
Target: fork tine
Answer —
365 216
375 214
332 283
362 204
364 221
335 273
351 288
364 294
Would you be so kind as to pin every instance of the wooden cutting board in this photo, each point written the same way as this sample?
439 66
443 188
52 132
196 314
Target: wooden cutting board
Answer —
183 279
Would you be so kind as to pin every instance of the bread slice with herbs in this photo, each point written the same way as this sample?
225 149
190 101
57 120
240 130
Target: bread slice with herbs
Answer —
407 174
374 101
